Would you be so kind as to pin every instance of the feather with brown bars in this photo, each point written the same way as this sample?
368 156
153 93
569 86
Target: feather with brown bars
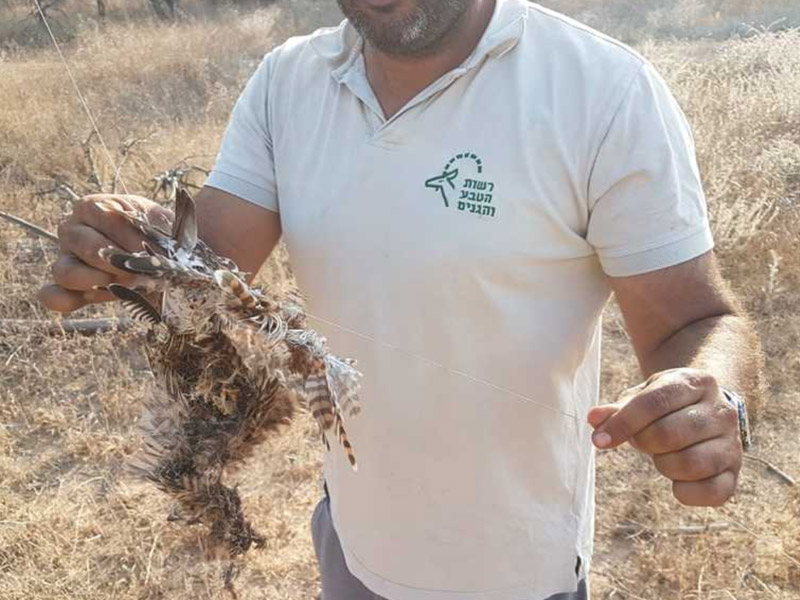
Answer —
230 362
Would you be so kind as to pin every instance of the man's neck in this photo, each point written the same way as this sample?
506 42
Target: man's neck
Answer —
397 79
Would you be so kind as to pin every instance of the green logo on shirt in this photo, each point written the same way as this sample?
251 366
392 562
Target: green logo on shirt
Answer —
463 186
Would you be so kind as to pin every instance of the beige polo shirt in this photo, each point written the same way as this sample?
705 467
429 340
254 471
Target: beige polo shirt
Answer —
459 250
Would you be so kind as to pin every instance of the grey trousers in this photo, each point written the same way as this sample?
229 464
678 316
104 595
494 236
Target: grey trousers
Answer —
339 584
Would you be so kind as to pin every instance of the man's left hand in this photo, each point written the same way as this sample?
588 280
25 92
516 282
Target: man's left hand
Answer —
681 418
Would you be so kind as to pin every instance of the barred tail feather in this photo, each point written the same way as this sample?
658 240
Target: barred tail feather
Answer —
184 228
343 382
319 402
344 440
137 304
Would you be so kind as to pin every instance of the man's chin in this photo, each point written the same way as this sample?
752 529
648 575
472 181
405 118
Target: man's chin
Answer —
404 28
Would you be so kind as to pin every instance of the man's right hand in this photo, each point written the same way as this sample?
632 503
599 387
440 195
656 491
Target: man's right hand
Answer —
95 223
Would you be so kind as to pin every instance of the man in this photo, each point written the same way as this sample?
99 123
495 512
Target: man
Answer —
461 184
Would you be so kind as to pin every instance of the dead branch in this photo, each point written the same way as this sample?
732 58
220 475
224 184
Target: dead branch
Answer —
632 529
81 326
788 479
88 153
61 188
29 226
170 180
125 151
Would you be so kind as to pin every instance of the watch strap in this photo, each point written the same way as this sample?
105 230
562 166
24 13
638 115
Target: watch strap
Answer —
741 410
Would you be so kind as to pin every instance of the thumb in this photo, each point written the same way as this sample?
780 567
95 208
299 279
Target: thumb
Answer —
600 414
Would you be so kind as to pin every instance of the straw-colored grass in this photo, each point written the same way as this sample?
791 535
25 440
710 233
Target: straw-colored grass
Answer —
73 525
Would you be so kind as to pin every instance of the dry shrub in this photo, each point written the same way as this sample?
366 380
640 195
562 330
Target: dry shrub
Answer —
743 100
175 81
638 20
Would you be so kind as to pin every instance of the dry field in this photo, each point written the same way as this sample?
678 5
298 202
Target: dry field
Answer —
74 526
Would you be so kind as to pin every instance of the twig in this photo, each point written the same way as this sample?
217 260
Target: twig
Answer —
89 155
621 586
772 469
700 583
635 529
761 537
82 326
150 559
68 191
29 226
125 151
763 585
61 188
170 180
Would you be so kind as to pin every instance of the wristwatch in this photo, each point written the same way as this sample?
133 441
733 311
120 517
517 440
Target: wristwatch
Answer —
741 410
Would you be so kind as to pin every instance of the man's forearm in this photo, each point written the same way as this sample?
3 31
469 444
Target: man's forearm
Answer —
237 229
725 346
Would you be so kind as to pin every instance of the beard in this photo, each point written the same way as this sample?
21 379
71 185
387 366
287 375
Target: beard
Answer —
416 31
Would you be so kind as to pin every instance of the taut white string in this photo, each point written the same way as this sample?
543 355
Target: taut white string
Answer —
117 174
439 365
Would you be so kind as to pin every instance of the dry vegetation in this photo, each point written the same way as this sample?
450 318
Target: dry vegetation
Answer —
73 525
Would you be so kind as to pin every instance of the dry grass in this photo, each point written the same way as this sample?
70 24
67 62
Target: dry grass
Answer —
72 525
637 20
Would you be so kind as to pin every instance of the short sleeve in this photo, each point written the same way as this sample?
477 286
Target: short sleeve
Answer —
647 209
245 165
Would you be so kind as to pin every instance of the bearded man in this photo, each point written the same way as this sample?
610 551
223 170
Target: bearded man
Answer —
461 185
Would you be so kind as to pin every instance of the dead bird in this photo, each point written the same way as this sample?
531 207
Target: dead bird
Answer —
230 362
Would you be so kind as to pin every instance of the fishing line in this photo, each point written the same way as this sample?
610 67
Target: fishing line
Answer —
117 174
444 367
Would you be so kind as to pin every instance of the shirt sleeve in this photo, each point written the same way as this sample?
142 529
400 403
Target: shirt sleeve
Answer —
647 209
245 165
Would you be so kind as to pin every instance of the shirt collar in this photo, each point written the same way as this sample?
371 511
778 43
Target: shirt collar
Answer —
341 46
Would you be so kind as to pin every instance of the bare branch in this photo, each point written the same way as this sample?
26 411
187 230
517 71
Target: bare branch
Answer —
170 180
632 529
788 479
82 326
61 188
125 151
88 153
29 226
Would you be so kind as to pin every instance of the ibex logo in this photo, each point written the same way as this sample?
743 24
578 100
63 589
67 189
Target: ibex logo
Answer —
463 186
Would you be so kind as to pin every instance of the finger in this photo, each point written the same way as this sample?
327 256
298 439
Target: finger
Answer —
701 461
157 215
60 300
123 202
106 214
71 273
99 295
85 243
684 428
600 414
714 491
663 396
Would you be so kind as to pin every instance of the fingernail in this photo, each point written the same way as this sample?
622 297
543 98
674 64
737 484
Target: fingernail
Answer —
601 439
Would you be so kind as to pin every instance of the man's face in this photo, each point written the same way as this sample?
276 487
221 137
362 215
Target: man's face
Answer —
404 27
